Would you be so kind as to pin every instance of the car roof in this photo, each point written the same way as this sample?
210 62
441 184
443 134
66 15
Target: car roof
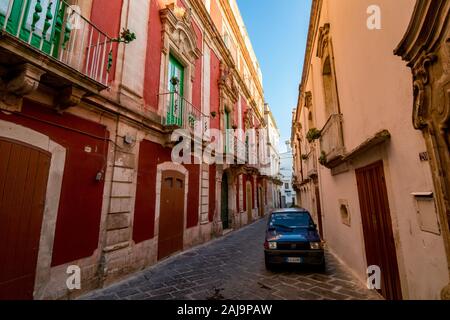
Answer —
290 210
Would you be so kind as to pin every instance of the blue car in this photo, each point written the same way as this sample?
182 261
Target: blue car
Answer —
292 239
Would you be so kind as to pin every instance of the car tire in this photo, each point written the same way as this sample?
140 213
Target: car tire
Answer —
269 266
322 268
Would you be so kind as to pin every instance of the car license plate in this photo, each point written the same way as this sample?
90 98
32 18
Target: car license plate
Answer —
294 260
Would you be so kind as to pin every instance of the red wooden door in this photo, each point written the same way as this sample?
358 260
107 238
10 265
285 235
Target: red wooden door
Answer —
171 216
23 184
319 207
377 227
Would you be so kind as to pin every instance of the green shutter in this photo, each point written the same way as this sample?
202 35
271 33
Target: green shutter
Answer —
176 103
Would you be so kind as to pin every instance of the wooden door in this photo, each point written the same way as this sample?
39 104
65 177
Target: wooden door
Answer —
171 216
319 207
224 203
249 202
377 227
23 185
260 202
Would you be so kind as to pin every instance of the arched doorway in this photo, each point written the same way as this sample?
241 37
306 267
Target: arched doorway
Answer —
171 218
249 201
224 206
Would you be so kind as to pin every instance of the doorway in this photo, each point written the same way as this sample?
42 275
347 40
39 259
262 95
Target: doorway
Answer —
377 228
260 202
249 201
175 110
24 172
318 206
224 203
171 217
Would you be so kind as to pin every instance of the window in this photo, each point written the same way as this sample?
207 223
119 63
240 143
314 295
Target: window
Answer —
228 137
328 83
286 186
175 86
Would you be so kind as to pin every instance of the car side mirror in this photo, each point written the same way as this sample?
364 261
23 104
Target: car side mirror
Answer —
313 227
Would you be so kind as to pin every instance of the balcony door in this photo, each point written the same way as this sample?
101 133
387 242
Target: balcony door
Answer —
176 92
38 23
228 136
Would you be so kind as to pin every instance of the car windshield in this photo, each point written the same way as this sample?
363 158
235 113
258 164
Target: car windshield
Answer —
291 220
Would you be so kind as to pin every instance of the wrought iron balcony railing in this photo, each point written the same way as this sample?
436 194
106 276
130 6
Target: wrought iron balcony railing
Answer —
240 150
181 114
58 30
332 139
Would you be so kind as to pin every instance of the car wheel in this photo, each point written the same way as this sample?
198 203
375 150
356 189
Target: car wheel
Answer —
322 268
269 266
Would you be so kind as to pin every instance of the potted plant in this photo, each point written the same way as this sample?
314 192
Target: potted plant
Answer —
191 120
313 134
304 156
323 158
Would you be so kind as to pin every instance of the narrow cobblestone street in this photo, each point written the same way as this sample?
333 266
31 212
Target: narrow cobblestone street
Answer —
232 267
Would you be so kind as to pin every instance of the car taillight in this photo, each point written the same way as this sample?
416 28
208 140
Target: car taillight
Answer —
266 244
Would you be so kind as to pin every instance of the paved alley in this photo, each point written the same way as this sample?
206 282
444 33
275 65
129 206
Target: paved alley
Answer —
232 267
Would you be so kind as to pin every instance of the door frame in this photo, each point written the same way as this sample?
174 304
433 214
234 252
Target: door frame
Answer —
21 134
386 227
249 206
225 201
170 166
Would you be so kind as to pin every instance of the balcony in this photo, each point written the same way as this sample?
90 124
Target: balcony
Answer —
311 163
332 141
178 113
54 36
240 150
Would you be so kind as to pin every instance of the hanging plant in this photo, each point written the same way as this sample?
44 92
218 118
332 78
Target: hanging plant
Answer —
304 156
234 126
191 120
313 134
323 158
213 114
126 36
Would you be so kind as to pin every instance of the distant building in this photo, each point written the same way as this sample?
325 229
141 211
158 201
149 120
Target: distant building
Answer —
288 193
273 170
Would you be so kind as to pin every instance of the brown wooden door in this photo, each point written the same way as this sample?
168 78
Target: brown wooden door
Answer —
377 227
319 207
23 184
249 202
171 216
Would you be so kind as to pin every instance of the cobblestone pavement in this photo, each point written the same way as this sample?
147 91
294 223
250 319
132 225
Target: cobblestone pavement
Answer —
232 267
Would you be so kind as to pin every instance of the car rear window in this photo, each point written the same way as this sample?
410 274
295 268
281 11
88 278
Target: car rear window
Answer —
291 219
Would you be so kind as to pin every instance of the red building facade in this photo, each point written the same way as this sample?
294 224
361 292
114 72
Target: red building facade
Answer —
87 111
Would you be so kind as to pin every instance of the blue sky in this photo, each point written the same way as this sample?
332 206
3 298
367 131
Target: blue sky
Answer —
278 31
